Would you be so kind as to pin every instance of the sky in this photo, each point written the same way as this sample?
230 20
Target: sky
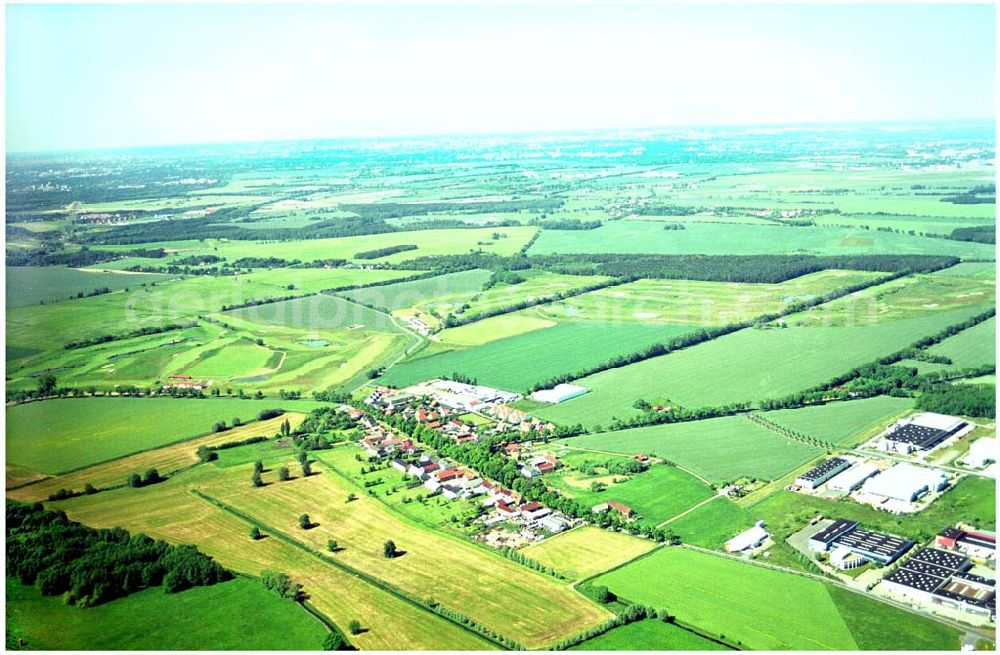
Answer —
94 76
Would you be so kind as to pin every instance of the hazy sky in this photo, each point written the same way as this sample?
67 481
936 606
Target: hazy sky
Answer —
95 76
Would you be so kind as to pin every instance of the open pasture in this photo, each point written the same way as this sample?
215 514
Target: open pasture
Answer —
54 436
729 239
657 494
746 366
979 270
586 551
33 285
517 362
234 615
719 449
970 348
523 603
169 511
696 302
842 423
712 524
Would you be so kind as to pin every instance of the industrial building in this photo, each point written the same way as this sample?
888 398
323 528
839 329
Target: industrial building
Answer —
845 537
896 488
849 480
937 577
977 544
559 393
922 432
818 475
748 540
981 452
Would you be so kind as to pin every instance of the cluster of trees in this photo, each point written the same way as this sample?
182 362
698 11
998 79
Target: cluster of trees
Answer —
138 332
88 566
151 476
253 302
676 415
378 253
566 224
978 195
457 617
502 277
389 210
962 399
794 435
674 226
281 584
656 209
978 234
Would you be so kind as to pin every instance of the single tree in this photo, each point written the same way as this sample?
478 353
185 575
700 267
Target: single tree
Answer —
335 641
237 422
351 497
389 549
134 481
257 482
331 545
46 385
255 533
89 489
152 476
283 473
219 426
258 466
306 469
304 522
354 626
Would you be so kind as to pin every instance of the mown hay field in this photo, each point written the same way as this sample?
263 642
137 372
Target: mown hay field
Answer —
587 550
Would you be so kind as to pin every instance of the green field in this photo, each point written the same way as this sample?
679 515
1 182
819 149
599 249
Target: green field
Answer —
587 550
320 279
33 285
407 294
656 494
651 635
235 615
712 524
517 362
55 436
746 366
729 239
842 422
720 449
760 608
970 348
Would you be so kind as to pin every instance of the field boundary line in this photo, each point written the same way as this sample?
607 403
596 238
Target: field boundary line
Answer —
689 510
364 577
638 557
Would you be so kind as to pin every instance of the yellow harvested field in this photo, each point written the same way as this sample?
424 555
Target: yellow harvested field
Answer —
165 460
169 511
506 597
587 551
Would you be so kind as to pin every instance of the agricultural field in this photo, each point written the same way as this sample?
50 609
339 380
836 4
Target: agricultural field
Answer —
221 616
516 363
657 494
34 285
970 348
737 600
726 369
713 524
750 450
316 313
56 436
843 423
730 239
587 551
408 294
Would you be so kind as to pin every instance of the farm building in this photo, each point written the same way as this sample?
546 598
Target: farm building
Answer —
818 475
747 540
624 510
852 478
923 432
981 452
559 393
871 546
937 577
553 523
979 545
600 508
902 484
